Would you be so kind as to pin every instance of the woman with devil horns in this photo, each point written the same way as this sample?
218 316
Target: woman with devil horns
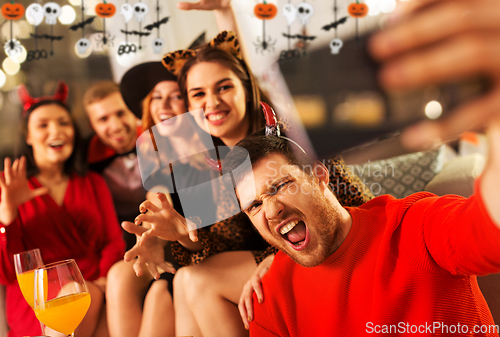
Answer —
222 256
49 202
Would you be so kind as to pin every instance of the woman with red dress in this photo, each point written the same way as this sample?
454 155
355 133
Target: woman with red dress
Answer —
48 201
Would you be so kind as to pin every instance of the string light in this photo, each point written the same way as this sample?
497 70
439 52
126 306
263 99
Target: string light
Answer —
68 15
3 78
10 66
433 110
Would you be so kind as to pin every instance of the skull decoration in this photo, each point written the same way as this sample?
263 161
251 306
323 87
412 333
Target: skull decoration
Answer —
82 46
289 12
52 11
140 11
34 14
127 11
304 12
335 45
158 45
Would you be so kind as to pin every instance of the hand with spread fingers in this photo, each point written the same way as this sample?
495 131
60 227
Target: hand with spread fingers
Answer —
15 189
245 305
150 255
435 41
166 223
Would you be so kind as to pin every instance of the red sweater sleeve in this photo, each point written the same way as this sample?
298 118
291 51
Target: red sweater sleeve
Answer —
458 233
114 246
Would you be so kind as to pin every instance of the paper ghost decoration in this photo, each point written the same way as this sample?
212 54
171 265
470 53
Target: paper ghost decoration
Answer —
127 11
34 14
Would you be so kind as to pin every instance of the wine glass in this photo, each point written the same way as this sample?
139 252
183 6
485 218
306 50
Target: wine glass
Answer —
61 296
25 264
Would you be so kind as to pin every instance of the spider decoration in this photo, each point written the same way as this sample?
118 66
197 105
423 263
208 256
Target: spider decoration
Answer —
13 48
264 12
267 43
104 39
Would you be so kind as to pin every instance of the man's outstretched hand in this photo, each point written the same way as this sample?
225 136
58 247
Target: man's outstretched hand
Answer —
434 41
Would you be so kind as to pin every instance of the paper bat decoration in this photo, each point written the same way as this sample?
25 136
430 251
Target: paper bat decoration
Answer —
47 36
134 32
298 36
82 24
157 24
335 24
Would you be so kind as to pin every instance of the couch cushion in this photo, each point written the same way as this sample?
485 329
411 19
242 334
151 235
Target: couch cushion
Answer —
401 176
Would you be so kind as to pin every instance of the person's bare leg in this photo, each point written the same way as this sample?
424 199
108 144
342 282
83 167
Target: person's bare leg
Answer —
89 323
124 297
185 322
213 289
102 326
158 312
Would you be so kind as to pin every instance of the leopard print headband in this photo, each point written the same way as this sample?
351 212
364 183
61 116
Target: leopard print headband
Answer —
225 41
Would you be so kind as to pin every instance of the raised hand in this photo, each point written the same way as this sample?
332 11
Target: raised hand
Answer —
435 41
15 189
253 284
206 5
149 255
222 9
165 222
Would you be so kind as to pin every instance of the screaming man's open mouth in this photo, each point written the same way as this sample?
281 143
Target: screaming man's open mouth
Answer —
296 234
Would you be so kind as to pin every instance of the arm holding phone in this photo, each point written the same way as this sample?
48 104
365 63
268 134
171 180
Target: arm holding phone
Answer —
434 41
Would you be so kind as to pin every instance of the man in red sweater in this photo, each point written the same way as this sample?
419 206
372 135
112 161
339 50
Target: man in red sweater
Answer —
392 266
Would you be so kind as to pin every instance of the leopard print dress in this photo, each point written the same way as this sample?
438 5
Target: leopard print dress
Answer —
237 232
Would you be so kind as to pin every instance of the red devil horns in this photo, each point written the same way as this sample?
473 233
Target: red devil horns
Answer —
60 94
25 97
272 127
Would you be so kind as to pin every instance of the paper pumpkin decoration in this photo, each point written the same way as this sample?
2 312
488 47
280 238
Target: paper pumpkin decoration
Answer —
12 11
265 11
105 10
357 10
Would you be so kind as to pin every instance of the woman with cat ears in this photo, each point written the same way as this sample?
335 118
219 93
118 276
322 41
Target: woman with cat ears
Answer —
224 99
48 201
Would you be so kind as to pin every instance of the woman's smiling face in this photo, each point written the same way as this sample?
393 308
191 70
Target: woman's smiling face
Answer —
220 93
166 103
51 134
